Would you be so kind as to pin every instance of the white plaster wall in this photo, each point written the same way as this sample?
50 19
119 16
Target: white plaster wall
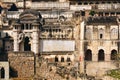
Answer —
57 45
5 65
80 7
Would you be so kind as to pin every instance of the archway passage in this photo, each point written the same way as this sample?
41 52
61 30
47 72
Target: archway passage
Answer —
113 54
88 55
2 73
56 59
27 45
101 55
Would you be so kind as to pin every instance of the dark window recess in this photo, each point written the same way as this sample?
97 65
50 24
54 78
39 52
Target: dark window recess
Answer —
22 27
27 45
62 59
0 34
82 13
101 36
6 34
0 9
15 27
2 73
56 59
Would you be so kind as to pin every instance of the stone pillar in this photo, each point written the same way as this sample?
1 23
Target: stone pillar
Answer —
6 70
82 47
15 33
35 41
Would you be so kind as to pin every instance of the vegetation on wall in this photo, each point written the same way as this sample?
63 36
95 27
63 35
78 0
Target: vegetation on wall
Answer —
114 73
92 13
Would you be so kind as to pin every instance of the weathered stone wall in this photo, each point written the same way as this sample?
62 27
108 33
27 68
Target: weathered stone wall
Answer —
21 64
99 68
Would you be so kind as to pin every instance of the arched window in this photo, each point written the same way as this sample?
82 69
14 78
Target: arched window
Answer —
88 55
62 59
27 45
114 33
2 73
88 33
113 54
101 55
101 32
56 59
68 59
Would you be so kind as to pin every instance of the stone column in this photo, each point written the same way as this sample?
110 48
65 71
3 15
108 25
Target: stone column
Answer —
36 41
82 47
15 34
6 70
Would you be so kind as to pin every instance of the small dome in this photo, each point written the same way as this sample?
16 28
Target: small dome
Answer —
33 12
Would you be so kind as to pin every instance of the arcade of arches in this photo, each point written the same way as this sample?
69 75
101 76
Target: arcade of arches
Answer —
101 55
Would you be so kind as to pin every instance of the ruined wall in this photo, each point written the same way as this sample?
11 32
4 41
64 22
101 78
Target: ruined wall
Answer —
21 64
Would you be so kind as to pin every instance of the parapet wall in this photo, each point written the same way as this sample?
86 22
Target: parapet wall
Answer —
21 64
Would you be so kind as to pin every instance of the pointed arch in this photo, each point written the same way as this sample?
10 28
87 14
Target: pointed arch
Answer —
88 55
2 72
101 55
113 54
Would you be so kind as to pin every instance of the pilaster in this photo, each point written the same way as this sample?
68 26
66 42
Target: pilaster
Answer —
36 41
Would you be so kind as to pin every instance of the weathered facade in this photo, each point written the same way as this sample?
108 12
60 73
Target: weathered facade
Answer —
39 37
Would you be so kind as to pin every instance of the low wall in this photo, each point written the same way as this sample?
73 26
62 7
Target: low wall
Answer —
21 64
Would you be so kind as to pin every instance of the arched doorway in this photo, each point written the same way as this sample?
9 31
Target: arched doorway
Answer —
56 59
88 55
27 45
2 73
62 59
101 56
113 54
